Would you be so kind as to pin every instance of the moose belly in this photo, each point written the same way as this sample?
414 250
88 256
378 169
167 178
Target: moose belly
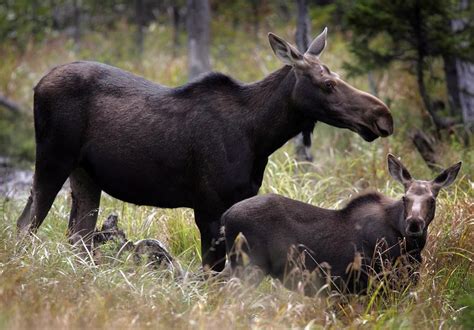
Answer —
139 179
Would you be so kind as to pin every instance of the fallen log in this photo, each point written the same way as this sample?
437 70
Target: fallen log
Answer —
150 250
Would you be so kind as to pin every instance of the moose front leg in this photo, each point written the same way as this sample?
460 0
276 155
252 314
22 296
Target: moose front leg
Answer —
212 241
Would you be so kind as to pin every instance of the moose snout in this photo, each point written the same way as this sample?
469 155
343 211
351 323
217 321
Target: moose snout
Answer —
384 122
415 227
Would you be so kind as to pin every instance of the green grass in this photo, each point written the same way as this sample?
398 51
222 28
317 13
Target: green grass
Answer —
44 283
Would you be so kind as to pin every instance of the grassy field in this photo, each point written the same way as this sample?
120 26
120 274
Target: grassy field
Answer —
45 284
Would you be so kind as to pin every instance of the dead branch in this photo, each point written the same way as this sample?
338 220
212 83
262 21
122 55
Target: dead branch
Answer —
10 105
426 147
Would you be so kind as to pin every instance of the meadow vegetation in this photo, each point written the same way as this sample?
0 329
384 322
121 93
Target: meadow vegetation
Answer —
46 284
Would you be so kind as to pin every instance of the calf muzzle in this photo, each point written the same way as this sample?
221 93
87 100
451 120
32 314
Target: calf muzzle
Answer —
415 227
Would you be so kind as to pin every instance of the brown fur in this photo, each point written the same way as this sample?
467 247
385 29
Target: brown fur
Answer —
372 228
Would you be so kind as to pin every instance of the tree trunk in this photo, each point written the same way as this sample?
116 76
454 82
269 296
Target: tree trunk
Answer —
302 36
438 122
465 71
140 23
176 22
198 25
256 15
419 65
451 77
77 24
303 26
460 77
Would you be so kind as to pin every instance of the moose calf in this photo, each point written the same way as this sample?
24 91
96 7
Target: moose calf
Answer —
371 234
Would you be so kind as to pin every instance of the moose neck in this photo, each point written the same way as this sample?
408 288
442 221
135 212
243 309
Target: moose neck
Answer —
273 117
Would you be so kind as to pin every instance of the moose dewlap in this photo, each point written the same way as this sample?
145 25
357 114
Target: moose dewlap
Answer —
298 242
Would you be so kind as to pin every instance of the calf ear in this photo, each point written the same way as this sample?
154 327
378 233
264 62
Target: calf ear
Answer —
398 171
446 177
318 44
284 51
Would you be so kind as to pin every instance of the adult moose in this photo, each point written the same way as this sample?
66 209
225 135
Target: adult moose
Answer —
203 145
351 241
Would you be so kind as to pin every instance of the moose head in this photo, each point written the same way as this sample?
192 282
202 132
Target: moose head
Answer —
324 96
419 200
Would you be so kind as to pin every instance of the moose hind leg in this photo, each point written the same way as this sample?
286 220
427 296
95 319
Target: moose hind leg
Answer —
48 179
85 207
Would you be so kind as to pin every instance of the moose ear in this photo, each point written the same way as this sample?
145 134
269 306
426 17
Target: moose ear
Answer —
446 177
318 44
284 51
398 171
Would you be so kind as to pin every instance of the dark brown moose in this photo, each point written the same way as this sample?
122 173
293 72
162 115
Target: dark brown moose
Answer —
347 244
203 145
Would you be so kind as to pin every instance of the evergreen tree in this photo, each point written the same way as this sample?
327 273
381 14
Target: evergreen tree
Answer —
411 31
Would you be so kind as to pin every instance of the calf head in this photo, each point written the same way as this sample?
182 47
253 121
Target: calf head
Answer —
420 196
323 96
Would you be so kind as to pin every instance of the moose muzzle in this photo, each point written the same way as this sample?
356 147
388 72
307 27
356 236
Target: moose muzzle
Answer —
415 227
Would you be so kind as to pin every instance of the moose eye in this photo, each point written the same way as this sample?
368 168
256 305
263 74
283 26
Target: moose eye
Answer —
330 85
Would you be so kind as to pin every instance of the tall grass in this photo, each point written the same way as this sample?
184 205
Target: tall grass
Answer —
44 283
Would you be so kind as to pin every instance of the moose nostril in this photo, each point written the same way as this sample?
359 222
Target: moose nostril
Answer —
384 132
415 227
383 120
384 127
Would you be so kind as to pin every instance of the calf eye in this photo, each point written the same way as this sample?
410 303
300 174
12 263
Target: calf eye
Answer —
431 201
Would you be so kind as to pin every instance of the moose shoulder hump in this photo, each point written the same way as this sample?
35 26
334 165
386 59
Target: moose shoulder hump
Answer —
370 203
